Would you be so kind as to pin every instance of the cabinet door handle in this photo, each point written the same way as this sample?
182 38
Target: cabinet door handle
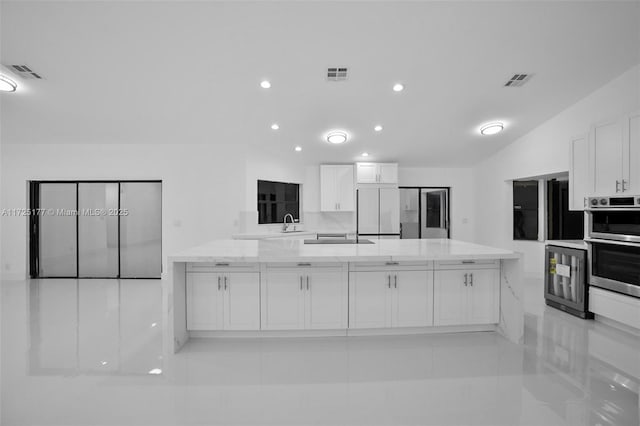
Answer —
307 282
617 186
395 281
471 280
225 283
465 280
389 281
300 282
624 182
218 282
339 203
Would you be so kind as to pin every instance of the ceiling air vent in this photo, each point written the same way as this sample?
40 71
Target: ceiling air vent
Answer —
25 72
336 74
518 80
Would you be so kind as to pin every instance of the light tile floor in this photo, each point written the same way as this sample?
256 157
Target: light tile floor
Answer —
93 353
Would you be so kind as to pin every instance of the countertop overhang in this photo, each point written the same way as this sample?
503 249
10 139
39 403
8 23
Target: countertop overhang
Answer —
294 250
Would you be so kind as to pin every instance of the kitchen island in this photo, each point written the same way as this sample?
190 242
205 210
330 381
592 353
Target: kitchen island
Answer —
284 287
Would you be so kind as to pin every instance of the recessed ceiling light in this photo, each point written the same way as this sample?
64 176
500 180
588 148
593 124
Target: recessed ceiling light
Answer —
275 126
7 84
377 128
155 371
298 148
491 128
265 84
336 137
398 87
365 154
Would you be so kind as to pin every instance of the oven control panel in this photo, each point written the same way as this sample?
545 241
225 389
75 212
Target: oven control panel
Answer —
613 202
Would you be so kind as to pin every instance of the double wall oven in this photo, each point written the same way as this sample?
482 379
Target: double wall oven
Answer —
613 238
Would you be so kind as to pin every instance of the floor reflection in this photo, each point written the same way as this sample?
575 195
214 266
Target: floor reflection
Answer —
95 326
99 343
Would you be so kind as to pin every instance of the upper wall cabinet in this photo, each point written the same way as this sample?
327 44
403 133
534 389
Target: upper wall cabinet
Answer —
336 188
377 172
614 156
578 172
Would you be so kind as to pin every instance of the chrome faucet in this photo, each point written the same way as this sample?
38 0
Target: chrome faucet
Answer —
285 227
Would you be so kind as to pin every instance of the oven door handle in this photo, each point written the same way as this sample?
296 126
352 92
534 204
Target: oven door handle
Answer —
613 242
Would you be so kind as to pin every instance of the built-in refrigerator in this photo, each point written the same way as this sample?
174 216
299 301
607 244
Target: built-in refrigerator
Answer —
378 213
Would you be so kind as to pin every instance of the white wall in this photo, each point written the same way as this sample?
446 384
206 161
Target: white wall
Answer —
462 201
544 150
201 196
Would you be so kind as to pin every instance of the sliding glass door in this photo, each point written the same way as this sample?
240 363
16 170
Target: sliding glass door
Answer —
57 239
106 229
140 229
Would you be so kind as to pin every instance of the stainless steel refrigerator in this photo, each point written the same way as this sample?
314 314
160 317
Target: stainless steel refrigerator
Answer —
378 213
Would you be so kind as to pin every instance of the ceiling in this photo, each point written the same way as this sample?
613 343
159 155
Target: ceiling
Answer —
189 72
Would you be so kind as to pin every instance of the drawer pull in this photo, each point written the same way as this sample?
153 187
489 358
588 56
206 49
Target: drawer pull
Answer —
392 263
222 264
304 264
468 261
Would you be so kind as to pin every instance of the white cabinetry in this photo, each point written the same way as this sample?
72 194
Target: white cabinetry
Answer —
223 298
336 188
466 293
578 172
614 156
377 173
304 296
390 295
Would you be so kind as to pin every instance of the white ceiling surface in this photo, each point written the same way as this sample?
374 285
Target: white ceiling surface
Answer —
189 72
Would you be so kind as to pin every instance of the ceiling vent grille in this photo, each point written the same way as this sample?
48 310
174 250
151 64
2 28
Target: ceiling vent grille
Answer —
25 72
518 80
336 74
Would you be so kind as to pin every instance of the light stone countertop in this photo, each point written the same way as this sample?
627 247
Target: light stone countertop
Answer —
294 250
258 235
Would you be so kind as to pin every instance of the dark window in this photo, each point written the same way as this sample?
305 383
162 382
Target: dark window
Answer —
562 223
276 199
525 210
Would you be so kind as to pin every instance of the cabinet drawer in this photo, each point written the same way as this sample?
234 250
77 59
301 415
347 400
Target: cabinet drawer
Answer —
222 267
468 263
303 265
390 266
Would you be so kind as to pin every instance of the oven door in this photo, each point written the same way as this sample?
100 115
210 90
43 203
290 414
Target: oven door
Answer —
615 266
620 224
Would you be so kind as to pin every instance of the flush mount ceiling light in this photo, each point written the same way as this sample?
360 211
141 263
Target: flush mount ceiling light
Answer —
275 126
265 84
365 154
398 87
491 128
298 148
377 128
7 84
337 137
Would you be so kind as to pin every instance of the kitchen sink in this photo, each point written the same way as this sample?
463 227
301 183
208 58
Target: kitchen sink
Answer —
337 241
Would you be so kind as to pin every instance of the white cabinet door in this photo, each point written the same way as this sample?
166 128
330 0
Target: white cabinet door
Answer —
606 153
483 296
369 299
578 175
450 297
388 173
326 299
367 172
631 166
412 299
328 189
283 300
345 188
241 301
204 301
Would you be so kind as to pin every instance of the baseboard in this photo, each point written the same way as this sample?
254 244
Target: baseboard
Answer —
402 331
617 324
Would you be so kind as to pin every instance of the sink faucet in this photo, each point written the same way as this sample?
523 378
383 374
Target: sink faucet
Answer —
285 226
